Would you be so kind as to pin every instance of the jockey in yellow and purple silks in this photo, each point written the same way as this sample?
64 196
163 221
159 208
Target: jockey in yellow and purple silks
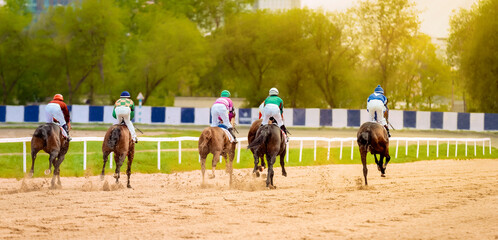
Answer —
274 107
124 111
223 110
376 106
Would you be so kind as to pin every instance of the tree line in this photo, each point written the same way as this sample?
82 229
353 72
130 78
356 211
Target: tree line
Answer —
91 50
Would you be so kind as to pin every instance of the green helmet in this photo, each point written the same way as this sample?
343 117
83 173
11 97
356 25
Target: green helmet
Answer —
225 93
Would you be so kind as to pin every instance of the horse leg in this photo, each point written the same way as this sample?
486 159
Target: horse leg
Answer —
128 170
216 159
203 167
60 159
376 161
52 159
269 177
282 163
106 157
363 154
256 162
381 166
231 156
119 162
34 151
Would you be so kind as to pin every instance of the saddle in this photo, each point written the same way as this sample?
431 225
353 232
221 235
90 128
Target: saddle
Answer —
229 135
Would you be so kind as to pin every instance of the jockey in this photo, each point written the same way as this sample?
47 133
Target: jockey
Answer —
124 110
223 110
274 107
376 106
57 109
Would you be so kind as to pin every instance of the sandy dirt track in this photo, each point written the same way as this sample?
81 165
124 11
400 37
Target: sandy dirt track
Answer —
446 199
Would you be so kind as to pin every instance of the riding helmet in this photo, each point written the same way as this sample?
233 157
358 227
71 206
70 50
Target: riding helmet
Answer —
273 92
125 94
58 97
225 93
379 89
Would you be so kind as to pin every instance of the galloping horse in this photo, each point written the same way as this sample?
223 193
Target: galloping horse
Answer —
118 140
48 137
372 137
269 141
214 140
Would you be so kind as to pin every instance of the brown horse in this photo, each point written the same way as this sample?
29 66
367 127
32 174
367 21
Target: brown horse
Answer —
118 140
372 137
269 141
250 137
214 140
48 137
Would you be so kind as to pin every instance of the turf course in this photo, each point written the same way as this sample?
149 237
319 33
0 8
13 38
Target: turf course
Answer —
145 160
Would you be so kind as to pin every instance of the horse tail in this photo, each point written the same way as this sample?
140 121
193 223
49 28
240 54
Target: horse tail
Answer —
205 138
42 133
364 140
114 138
264 135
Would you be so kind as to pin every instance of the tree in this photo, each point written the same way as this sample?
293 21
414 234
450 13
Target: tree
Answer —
384 25
169 56
472 47
14 51
79 39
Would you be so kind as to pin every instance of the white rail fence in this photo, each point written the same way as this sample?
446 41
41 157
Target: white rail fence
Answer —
301 141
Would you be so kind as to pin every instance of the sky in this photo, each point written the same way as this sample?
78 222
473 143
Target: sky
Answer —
434 18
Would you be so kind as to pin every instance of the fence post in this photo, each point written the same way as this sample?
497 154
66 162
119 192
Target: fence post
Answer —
397 143
287 150
475 147
406 148
427 148
490 146
159 155
24 156
179 151
110 160
314 151
352 147
437 148
84 155
238 152
328 151
418 143
301 151
340 151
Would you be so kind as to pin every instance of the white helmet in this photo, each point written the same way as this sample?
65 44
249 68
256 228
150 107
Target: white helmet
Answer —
273 92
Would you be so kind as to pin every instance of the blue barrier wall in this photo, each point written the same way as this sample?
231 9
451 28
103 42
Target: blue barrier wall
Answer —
311 117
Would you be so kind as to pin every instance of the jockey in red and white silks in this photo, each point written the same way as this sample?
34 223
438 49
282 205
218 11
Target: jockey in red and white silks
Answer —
57 109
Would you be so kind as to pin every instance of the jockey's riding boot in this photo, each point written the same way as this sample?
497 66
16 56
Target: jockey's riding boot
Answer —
388 134
284 129
67 132
135 139
233 135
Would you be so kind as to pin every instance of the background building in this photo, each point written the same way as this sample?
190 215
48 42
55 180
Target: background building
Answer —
277 4
36 6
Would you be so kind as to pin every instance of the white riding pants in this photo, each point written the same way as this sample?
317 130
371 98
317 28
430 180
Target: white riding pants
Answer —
123 114
272 110
376 110
219 110
53 110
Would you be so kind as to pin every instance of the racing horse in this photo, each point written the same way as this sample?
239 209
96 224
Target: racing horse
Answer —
118 140
214 140
48 137
372 137
269 141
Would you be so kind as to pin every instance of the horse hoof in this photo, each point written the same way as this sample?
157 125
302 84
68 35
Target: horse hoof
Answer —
271 187
102 177
383 175
284 174
261 168
30 175
129 186
48 171
116 176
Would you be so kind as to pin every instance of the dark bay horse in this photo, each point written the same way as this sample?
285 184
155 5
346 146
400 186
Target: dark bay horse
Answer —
372 137
269 141
118 140
251 136
48 137
214 140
